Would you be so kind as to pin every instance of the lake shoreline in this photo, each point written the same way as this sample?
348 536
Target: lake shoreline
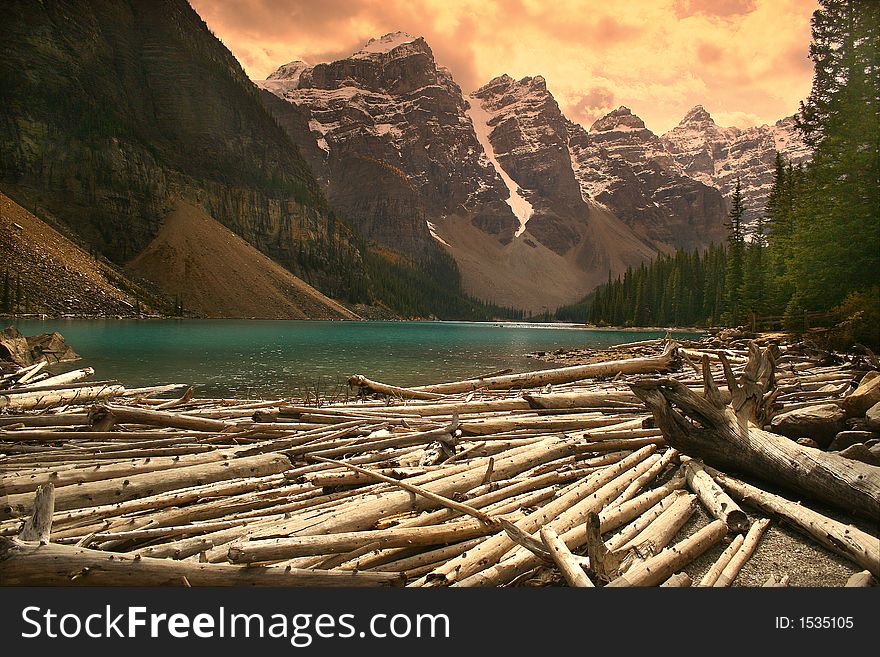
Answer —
263 357
262 472
587 326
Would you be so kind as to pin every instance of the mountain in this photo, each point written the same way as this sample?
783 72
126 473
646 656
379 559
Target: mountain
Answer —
111 111
524 134
183 259
534 208
395 149
372 179
50 274
416 166
717 156
625 166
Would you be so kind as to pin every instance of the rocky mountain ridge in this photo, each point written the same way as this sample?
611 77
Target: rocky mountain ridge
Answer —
417 166
501 179
113 112
717 156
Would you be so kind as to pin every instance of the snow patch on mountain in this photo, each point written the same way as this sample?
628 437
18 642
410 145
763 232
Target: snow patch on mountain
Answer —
384 44
719 156
433 230
518 203
290 72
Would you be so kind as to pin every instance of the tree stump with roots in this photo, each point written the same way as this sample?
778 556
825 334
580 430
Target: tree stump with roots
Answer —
730 436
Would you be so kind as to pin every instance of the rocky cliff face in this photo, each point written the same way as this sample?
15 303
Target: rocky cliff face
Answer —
717 156
525 137
111 110
414 165
506 184
624 166
394 146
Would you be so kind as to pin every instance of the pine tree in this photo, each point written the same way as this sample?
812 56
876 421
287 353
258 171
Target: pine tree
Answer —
836 239
753 292
779 231
6 291
735 256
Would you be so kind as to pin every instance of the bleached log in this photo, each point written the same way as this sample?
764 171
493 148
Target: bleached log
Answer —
39 525
746 550
491 550
661 566
437 498
418 564
67 377
571 570
656 504
699 355
362 382
32 372
130 414
523 560
47 420
28 564
72 476
112 539
300 546
678 580
604 563
544 424
720 564
149 483
717 502
591 399
632 490
656 536
727 438
660 363
846 540
38 400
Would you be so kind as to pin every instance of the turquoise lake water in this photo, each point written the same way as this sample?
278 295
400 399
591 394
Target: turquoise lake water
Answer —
271 359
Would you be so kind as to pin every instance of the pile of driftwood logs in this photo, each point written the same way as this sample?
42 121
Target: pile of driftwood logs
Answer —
584 474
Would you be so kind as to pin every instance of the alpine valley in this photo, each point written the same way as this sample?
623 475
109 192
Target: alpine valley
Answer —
369 185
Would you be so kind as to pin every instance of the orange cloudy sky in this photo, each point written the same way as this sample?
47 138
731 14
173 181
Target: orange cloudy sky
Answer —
744 60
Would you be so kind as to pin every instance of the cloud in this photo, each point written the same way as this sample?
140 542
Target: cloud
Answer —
719 8
594 104
659 57
709 53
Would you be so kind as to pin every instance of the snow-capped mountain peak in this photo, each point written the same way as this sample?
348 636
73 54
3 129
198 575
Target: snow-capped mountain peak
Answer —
384 44
289 72
697 114
534 208
720 156
620 120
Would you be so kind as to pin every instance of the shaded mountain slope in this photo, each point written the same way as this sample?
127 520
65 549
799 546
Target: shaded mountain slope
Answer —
214 272
42 271
110 109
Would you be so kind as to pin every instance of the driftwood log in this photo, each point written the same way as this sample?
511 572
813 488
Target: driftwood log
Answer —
477 488
29 559
719 503
729 437
849 541
746 550
659 363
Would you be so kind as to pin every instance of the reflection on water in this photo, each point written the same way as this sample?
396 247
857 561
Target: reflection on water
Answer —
254 358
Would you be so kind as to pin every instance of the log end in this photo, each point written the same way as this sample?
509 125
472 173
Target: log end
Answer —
737 521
